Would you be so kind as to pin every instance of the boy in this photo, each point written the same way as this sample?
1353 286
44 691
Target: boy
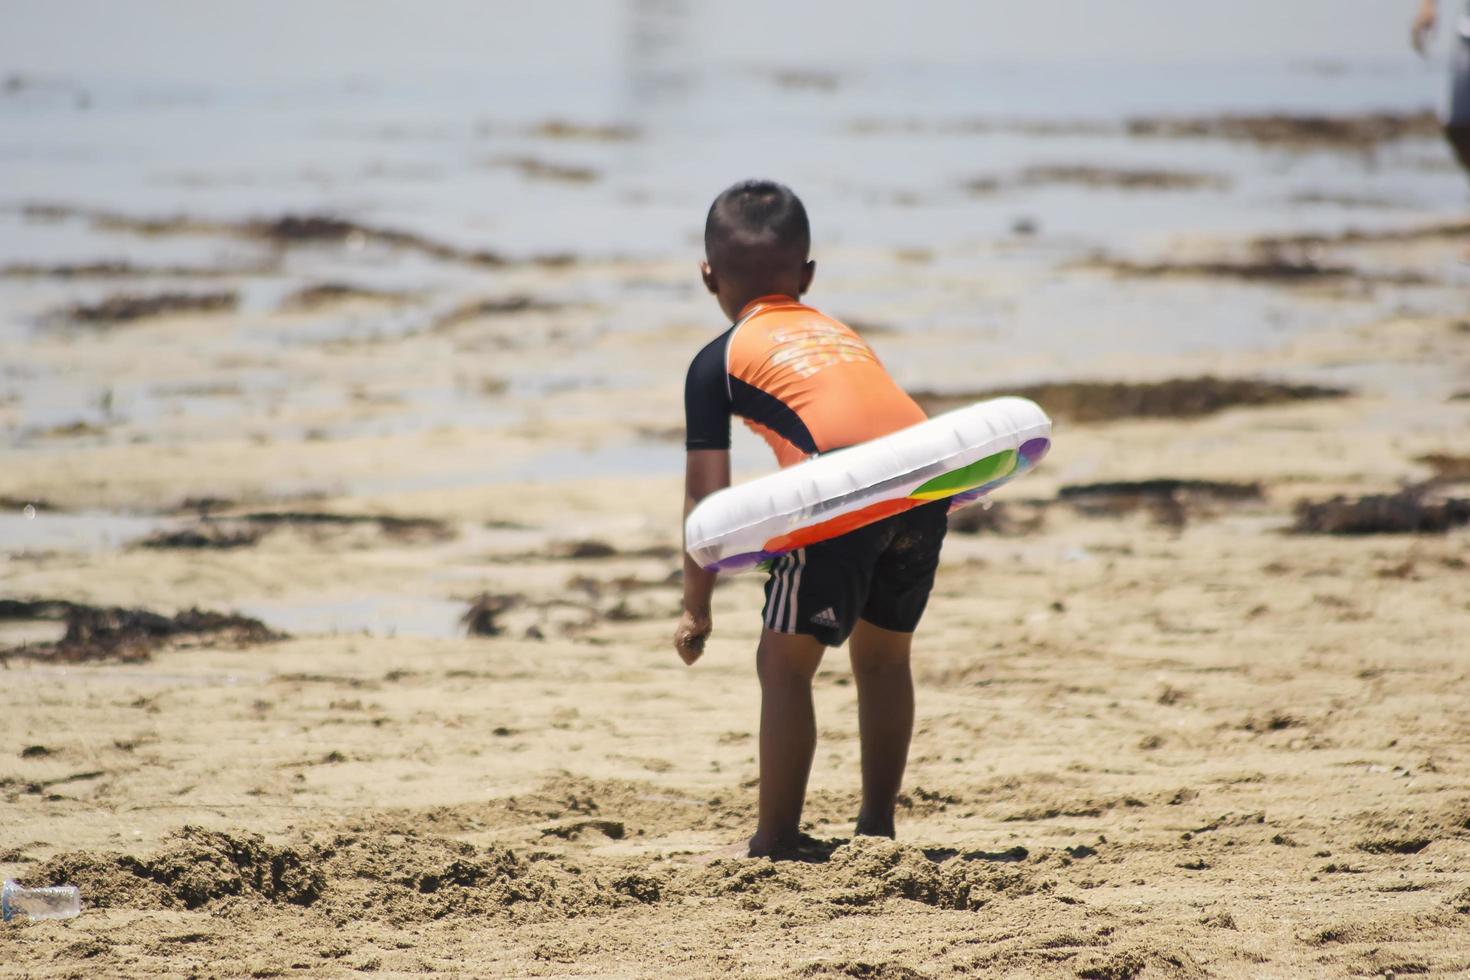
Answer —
807 384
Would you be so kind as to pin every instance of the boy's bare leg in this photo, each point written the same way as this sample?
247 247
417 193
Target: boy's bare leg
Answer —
885 691
786 665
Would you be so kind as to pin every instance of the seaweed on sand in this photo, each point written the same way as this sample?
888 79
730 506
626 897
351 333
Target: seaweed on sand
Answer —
286 231
208 535
95 633
1172 502
1120 178
1270 265
128 307
1103 401
325 294
1001 518
407 528
481 617
1410 511
491 307
1359 132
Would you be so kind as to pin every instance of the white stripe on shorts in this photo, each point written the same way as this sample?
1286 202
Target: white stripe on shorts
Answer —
795 590
778 582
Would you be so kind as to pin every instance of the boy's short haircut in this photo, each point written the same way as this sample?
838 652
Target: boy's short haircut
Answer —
756 228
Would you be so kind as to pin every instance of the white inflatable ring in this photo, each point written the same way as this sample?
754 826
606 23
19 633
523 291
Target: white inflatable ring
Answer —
961 455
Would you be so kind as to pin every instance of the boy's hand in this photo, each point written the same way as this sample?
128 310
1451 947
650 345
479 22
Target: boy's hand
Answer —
705 471
690 635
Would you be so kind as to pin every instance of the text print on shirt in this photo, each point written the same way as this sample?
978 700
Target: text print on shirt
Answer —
810 347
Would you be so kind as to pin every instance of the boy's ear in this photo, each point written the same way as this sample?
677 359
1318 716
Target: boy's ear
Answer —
708 275
807 272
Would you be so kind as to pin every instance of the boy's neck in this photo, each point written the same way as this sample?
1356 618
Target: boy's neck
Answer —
774 296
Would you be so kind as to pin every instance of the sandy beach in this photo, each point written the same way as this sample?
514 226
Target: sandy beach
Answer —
339 556
1159 733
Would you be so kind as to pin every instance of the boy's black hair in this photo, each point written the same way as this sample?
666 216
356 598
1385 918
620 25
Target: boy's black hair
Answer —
755 230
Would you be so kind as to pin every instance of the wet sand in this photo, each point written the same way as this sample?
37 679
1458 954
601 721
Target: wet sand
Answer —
1160 732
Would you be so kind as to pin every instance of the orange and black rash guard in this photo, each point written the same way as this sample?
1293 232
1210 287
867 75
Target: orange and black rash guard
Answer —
801 380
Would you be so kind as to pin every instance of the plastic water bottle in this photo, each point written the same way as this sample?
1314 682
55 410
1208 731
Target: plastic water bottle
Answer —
60 902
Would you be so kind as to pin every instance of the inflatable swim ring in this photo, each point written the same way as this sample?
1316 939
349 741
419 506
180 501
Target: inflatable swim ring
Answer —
960 456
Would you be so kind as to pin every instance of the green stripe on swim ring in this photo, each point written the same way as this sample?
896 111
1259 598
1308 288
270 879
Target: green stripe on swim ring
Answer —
969 477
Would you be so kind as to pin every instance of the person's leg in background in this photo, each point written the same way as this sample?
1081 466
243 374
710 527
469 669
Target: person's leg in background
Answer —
1457 114
1459 137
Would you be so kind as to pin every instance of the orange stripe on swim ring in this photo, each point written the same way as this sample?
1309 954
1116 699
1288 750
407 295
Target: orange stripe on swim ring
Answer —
804 536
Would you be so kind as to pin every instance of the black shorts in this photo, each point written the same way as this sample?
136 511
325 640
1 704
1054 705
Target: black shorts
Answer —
882 573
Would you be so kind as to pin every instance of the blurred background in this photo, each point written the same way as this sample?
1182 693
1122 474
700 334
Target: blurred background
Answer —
291 243
342 349
880 114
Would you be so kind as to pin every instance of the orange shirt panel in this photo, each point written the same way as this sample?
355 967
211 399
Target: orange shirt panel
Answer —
822 371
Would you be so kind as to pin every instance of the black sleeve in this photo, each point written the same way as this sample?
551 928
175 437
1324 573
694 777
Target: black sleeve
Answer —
707 398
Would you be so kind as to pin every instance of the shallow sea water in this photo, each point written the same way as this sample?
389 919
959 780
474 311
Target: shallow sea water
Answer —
877 130
880 114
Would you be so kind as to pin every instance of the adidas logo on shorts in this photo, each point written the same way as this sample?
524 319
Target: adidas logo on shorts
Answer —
826 618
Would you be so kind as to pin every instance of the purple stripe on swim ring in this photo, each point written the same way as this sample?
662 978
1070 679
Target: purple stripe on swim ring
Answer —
1033 449
975 493
733 562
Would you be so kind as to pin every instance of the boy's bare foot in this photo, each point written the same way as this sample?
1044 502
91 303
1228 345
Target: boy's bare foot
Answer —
759 847
802 847
874 827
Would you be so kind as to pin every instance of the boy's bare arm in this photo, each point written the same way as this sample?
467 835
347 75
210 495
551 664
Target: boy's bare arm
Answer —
705 471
